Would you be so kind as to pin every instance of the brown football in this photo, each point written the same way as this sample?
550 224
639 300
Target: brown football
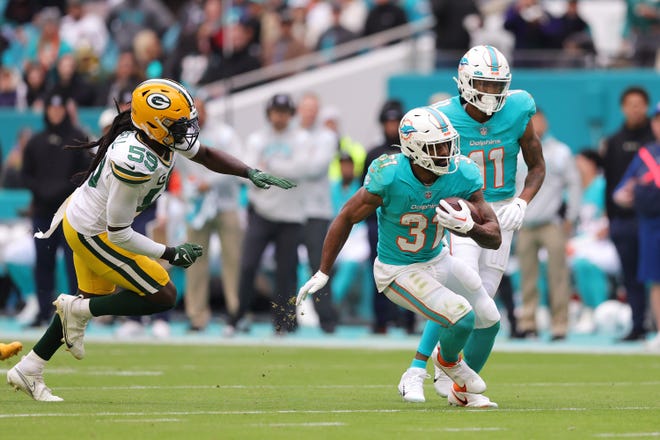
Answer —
453 202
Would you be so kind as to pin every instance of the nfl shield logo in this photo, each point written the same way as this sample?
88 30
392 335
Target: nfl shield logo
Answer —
427 195
483 130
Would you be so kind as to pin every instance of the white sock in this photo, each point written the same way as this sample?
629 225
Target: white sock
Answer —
32 363
82 307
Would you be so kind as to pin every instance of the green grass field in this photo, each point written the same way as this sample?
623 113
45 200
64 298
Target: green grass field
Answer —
220 392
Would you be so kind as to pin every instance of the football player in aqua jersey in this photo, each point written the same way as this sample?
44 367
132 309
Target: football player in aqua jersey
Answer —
414 268
494 124
130 170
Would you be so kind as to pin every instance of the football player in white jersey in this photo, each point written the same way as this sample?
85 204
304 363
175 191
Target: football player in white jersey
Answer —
116 267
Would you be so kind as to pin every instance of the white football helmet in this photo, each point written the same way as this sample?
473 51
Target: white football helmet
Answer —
484 78
429 140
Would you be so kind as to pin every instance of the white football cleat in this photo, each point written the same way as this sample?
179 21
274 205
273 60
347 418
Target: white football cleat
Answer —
73 323
441 382
32 384
411 385
469 400
462 375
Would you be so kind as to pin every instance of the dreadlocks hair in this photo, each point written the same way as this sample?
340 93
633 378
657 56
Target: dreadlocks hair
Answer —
120 124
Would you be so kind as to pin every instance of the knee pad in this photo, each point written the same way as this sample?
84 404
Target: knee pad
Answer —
486 312
466 275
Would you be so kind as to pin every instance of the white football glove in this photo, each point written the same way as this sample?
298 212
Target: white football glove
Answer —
459 221
511 216
312 285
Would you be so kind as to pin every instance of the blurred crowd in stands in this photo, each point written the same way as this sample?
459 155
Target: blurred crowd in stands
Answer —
64 54
95 51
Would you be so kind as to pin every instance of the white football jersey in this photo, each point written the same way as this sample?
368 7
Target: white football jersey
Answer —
127 161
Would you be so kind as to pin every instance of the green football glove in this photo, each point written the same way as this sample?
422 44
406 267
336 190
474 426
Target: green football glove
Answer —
265 180
183 255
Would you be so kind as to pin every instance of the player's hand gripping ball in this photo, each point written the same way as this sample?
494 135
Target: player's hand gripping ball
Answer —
458 215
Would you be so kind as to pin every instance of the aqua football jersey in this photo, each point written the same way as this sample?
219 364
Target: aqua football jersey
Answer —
493 145
407 231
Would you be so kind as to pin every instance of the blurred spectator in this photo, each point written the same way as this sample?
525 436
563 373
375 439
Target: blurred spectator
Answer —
641 31
35 86
385 311
354 15
9 84
574 38
47 172
72 84
544 227
531 26
190 17
84 30
335 35
235 61
20 12
193 39
384 15
275 217
318 18
329 117
351 272
10 175
148 53
270 20
321 148
592 256
640 189
46 47
192 65
453 21
121 83
617 151
128 17
287 46
250 14
212 208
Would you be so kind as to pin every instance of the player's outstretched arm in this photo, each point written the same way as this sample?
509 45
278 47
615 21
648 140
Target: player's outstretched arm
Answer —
224 163
487 234
356 209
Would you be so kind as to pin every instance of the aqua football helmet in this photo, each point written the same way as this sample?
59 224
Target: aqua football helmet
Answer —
483 79
429 140
164 110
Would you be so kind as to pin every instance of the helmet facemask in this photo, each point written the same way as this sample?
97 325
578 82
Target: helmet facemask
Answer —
488 95
184 134
484 78
429 140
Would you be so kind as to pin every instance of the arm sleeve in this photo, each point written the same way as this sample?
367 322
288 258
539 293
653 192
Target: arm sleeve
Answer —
121 205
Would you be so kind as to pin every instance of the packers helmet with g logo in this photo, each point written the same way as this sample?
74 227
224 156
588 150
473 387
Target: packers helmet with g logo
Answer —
164 110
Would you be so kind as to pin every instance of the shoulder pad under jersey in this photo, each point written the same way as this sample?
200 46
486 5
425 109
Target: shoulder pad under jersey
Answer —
130 160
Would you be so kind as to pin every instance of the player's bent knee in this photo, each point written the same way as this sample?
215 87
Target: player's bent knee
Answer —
466 275
166 296
486 312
